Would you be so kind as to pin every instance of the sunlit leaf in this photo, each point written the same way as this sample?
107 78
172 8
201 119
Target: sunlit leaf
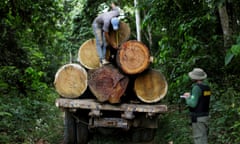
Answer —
228 58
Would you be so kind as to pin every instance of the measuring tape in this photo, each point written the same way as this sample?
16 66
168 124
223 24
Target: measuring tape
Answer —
117 37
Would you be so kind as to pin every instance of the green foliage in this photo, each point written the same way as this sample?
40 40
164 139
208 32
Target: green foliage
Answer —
225 115
31 42
228 58
26 112
174 126
234 51
190 38
37 37
26 120
32 79
232 58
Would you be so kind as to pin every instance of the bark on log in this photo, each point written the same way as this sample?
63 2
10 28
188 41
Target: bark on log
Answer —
150 86
107 83
133 57
71 81
121 35
87 54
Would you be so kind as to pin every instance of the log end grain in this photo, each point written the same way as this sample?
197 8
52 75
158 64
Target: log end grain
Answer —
150 86
71 81
133 57
87 54
107 83
121 35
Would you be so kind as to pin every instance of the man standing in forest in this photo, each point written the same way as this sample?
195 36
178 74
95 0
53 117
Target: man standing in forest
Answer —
198 101
101 25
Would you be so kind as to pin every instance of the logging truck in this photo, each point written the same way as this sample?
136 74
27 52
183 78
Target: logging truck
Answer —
124 95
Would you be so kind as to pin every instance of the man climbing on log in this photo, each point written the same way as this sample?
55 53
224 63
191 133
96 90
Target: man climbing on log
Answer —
101 26
198 101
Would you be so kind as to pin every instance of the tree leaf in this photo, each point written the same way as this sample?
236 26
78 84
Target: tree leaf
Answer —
228 58
235 49
5 114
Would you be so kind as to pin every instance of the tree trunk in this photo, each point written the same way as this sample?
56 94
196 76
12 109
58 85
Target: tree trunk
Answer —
138 20
133 57
107 83
121 35
71 81
150 86
227 33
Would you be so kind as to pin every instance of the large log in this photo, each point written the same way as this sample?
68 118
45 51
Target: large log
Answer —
133 57
150 86
71 81
107 83
87 54
121 35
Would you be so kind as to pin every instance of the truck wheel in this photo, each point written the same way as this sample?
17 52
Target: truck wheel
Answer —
82 132
69 128
148 134
143 134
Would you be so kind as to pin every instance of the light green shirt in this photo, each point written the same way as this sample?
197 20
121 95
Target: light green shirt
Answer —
195 94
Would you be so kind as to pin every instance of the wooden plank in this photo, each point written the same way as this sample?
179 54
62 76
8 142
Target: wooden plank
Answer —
94 104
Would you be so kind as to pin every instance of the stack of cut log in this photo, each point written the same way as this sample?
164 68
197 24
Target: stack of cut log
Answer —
128 77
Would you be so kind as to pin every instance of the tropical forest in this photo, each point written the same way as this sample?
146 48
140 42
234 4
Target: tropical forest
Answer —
38 37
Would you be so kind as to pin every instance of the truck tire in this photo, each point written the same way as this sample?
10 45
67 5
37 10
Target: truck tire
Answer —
69 128
143 134
82 132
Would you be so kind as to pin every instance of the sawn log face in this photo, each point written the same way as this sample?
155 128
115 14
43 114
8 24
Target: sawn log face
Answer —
133 57
71 81
107 83
121 35
87 54
150 86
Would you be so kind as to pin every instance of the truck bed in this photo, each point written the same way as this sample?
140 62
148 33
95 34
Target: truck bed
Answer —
94 104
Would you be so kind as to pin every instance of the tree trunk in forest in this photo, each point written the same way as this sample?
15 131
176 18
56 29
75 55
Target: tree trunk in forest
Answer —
150 86
71 81
138 19
121 35
107 83
225 23
133 57
235 18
